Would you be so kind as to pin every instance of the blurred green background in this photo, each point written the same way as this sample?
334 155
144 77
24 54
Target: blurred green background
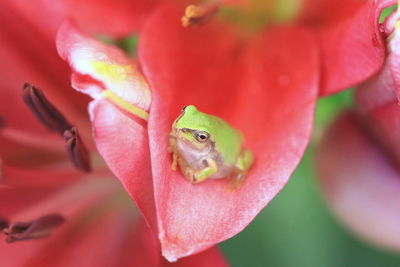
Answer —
296 229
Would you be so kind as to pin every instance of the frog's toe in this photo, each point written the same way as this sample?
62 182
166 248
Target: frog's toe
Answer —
191 176
236 181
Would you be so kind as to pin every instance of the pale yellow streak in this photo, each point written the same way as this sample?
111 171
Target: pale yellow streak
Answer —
114 72
121 103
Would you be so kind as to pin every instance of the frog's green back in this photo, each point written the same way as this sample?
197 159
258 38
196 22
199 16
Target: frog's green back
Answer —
228 141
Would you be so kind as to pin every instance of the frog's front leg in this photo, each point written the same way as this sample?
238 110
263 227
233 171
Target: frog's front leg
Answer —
200 175
174 161
242 166
172 149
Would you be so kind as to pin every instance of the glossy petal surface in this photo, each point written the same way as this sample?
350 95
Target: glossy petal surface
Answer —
123 144
262 86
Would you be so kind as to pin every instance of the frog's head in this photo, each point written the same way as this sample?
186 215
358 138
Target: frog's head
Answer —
192 127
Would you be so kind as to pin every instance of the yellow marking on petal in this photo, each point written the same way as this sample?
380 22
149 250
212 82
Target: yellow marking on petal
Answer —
114 72
397 25
395 32
121 103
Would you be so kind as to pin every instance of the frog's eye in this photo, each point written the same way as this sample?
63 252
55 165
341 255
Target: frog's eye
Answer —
201 136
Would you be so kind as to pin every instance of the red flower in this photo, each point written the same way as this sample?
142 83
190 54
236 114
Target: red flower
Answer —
52 213
89 223
265 84
359 157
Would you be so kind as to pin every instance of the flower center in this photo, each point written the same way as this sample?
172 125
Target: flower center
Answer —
257 14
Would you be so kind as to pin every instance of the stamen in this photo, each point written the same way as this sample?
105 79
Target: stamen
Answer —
44 111
76 150
38 228
121 103
2 123
199 14
3 223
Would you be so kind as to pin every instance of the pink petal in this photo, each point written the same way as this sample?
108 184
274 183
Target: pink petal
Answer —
353 47
100 230
49 175
111 17
25 143
394 56
361 182
70 202
29 55
212 257
123 144
16 199
32 160
377 100
263 86
34 13
98 66
121 138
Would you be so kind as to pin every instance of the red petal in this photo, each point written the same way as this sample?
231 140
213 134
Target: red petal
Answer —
353 48
98 66
15 199
34 14
29 55
120 137
361 183
123 144
50 175
100 230
211 258
263 86
111 17
378 101
29 159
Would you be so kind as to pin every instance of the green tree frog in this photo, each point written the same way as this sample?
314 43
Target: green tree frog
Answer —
205 146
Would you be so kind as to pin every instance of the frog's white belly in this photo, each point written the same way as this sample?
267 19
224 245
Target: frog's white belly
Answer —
198 160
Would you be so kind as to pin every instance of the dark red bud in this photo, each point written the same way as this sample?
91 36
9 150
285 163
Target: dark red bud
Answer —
44 111
35 229
76 150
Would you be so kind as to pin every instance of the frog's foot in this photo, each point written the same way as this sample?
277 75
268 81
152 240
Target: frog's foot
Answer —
245 160
198 176
236 181
174 161
243 165
171 144
190 175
